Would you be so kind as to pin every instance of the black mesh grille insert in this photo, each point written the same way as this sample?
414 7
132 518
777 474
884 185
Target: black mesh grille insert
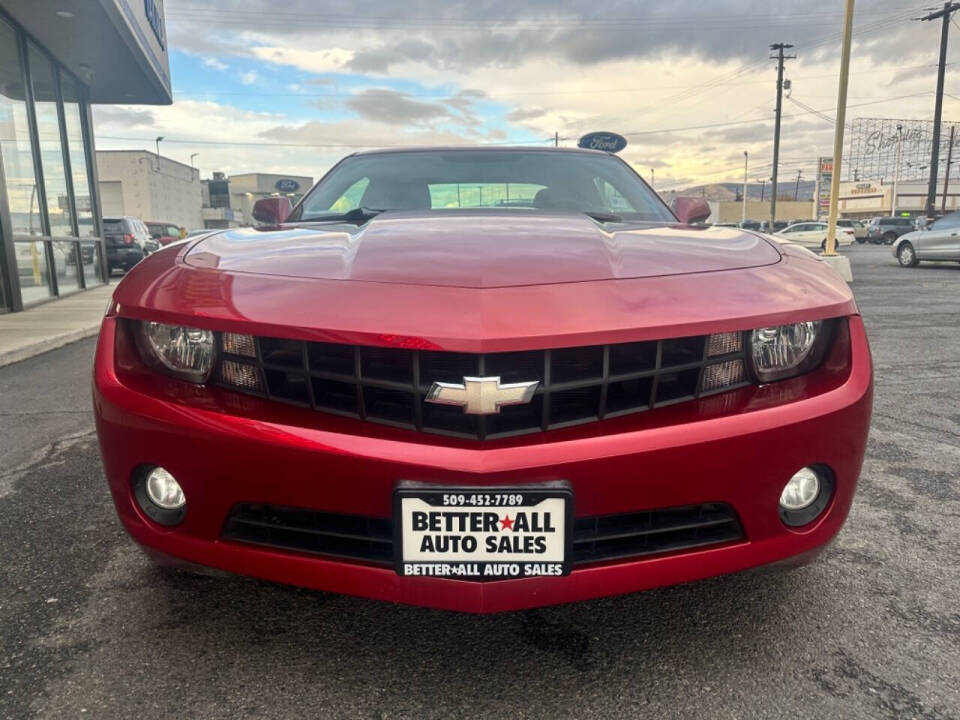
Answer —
389 385
595 539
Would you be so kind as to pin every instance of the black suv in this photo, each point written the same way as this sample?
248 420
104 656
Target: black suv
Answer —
128 242
887 229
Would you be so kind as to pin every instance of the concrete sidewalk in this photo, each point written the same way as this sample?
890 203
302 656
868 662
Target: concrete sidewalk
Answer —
52 325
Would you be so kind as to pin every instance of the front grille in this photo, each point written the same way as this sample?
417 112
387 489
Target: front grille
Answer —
354 537
604 537
576 385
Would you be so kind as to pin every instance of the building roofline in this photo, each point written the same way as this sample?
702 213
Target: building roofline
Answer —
152 154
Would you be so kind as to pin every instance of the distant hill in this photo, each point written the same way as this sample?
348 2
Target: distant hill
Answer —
729 192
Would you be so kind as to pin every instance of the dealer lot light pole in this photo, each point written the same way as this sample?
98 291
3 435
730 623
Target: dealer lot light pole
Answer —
831 249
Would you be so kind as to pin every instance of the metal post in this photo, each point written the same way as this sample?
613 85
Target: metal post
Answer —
745 158
780 57
946 180
796 190
831 248
896 172
948 9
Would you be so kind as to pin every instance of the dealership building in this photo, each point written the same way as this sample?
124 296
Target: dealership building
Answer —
228 201
56 59
150 187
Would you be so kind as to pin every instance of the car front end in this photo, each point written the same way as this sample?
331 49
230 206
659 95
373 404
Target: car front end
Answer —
427 411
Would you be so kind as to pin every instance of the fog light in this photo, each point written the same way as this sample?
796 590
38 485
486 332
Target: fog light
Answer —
164 490
801 490
159 495
806 495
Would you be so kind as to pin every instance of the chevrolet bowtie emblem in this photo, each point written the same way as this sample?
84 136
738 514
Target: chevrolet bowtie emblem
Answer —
482 396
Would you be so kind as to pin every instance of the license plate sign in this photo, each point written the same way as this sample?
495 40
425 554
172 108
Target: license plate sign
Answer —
483 534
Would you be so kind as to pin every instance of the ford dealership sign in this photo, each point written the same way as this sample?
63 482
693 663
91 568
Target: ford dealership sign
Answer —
611 142
286 185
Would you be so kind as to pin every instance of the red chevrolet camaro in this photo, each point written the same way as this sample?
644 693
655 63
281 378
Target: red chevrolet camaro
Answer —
482 380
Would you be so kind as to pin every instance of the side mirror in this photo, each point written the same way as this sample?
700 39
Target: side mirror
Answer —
691 210
272 211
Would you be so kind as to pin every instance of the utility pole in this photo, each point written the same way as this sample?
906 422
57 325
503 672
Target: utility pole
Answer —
653 184
946 180
896 172
831 249
556 139
763 184
796 190
948 9
779 57
744 185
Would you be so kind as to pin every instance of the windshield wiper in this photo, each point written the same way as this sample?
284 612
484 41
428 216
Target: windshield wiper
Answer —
358 215
603 216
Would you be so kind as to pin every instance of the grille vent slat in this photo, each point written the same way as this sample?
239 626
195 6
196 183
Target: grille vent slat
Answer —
388 385
595 539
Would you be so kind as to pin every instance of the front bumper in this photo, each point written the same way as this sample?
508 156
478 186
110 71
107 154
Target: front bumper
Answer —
741 458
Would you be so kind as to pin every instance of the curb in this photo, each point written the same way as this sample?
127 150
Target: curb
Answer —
47 344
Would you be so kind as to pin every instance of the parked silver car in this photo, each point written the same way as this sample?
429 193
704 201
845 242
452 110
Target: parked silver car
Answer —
939 241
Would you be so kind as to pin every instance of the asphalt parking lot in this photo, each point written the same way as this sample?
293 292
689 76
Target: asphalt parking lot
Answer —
89 628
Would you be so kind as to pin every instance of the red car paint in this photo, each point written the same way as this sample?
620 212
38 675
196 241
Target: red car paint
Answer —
458 285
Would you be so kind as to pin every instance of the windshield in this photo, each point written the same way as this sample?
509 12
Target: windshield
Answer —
520 181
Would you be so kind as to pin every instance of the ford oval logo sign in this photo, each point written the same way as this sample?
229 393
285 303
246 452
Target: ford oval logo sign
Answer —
608 141
286 185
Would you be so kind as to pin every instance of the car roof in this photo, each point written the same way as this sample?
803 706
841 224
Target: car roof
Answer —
477 148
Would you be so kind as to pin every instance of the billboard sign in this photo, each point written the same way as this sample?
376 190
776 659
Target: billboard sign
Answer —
824 178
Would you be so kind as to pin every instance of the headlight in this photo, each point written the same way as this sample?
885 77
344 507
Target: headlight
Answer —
186 353
781 352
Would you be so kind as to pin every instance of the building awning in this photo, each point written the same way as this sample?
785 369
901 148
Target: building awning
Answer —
118 48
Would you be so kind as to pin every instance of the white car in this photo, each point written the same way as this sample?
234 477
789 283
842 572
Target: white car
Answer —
814 234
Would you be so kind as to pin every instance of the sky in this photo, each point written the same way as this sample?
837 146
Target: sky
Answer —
291 87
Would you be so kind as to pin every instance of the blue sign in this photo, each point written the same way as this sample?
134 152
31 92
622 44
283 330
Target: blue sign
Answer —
154 20
286 185
608 141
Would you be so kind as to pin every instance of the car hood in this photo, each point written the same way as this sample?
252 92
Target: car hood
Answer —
482 250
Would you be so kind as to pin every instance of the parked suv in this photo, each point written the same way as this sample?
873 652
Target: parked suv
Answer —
127 240
887 229
164 232
859 229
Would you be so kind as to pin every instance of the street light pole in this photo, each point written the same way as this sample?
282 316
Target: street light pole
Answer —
831 248
745 158
653 178
896 171
946 179
159 138
192 156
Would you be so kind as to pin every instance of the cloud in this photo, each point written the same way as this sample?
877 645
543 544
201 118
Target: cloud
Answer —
119 115
212 62
393 107
318 61
249 78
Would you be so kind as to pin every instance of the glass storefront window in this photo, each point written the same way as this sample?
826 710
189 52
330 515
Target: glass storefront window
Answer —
32 269
21 182
72 98
51 149
65 263
90 257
